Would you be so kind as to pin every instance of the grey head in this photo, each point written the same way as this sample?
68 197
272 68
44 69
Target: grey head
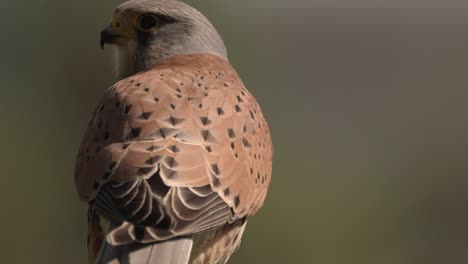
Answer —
144 32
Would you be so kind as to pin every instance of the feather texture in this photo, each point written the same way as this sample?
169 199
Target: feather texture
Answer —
169 252
179 150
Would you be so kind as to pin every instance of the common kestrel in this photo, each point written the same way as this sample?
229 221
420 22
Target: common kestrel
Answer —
177 154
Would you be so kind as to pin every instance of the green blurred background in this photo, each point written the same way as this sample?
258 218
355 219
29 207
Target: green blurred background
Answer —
367 102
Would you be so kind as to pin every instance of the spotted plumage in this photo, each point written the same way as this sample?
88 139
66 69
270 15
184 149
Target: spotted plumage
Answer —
177 149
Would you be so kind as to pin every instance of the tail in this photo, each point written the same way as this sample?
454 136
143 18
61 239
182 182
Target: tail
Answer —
175 251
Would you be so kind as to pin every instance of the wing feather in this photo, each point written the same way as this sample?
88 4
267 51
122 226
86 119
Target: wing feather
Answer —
175 155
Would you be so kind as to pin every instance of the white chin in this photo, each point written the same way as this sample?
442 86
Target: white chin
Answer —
125 59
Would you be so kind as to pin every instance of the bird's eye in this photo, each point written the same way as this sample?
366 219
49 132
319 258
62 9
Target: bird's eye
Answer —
148 22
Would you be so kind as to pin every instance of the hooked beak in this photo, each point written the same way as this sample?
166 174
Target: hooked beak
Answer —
110 36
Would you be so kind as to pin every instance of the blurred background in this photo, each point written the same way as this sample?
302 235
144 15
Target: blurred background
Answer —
367 102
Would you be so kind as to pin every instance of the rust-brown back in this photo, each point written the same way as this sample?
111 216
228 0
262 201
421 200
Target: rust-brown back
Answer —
190 134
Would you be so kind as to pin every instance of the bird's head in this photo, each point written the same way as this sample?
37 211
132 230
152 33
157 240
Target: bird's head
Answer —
146 31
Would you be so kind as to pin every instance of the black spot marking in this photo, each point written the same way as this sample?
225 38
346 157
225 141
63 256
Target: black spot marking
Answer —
166 132
216 182
173 106
174 149
153 160
227 192
220 111
145 115
246 143
238 109
252 115
175 121
209 149
207 136
205 121
199 85
146 89
172 175
153 148
200 106
236 201
239 99
215 169
231 133
245 129
135 132
156 99
144 171
127 108
171 162
138 84
233 146
125 146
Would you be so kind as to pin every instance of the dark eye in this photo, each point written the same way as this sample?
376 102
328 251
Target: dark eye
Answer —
148 22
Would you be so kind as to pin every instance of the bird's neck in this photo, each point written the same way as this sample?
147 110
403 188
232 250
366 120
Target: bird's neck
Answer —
131 58
125 60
